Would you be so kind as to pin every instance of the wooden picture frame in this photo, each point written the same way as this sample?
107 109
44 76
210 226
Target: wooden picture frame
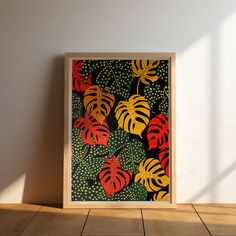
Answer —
67 182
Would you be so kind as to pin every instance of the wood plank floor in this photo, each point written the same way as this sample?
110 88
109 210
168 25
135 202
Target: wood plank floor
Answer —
208 219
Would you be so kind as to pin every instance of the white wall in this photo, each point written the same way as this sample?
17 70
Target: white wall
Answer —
35 34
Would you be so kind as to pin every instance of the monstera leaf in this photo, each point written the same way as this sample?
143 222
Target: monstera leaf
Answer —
78 81
112 177
164 159
145 70
93 132
157 96
161 196
151 175
158 132
90 66
115 74
90 157
98 103
130 153
87 161
133 115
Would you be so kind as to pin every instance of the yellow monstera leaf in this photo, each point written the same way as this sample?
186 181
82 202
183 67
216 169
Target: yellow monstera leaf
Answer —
133 115
151 175
98 103
161 195
145 70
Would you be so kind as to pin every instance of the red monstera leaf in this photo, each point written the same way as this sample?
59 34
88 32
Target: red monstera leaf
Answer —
112 177
158 132
78 80
164 159
93 132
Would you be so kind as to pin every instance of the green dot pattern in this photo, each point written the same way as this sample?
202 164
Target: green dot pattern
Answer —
131 153
162 71
134 192
155 93
76 106
118 139
87 162
90 65
115 74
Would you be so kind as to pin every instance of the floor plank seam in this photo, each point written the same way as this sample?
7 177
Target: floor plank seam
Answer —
85 223
144 233
31 221
201 219
223 234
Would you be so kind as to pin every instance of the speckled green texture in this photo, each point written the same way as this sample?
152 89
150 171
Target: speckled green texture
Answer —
134 192
131 153
162 71
118 140
115 74
158 95
76 106
87 162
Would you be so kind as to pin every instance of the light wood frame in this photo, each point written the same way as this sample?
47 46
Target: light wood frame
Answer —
67 119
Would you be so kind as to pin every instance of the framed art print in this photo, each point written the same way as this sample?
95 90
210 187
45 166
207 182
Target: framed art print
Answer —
119 130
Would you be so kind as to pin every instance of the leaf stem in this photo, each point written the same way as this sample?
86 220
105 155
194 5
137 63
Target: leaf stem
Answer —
138 85
102 155
81 160
113 74
166 93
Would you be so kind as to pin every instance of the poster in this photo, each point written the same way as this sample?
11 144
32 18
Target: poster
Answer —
119 120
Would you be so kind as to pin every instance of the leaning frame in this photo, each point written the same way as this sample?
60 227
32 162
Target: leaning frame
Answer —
67 202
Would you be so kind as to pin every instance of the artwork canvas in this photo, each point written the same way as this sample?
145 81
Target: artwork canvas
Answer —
119 148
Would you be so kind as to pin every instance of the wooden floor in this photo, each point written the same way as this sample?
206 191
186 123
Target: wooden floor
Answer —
186 220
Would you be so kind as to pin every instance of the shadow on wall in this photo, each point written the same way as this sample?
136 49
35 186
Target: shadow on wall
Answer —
186 22
44 179
39 162
215 179
215 111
